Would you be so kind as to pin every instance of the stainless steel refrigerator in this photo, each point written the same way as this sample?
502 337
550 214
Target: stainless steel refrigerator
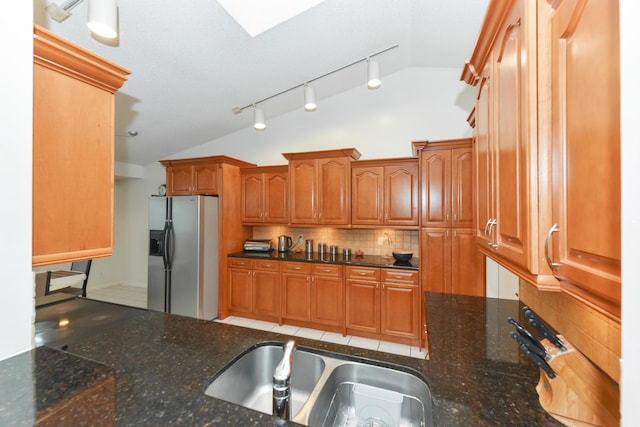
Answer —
183 256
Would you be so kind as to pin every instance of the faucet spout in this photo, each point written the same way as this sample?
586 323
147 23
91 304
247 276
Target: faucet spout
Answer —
282 383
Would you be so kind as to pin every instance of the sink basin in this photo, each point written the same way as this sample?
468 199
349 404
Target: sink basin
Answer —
248 380
362 394
327 389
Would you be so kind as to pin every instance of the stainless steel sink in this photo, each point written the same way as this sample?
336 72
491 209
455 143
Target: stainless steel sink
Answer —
328 389
248 380
358 394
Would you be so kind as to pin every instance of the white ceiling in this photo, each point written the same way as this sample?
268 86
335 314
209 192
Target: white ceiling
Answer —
192 63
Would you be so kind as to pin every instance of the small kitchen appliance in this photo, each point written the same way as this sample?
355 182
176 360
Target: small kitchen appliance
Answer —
257 245
284 243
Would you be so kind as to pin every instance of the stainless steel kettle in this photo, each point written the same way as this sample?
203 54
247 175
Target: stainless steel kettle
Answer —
284 243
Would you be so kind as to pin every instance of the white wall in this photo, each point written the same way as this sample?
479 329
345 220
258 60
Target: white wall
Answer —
630 94
415 104
16 285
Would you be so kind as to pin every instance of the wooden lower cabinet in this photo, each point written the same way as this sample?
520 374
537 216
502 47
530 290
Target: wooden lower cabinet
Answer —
254 289
383 304
296 292
327 295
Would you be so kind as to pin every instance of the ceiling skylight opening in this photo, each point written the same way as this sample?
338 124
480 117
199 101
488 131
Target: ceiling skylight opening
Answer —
258 16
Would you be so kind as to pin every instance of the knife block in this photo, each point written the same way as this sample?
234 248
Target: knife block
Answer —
581 394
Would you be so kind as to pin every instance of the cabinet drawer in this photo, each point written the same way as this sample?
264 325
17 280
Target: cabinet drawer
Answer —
263 264
240 263
326 270
296 267
368 273
399 276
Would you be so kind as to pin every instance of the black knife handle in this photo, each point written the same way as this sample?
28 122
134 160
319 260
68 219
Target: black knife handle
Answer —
539 361
525 342
542 327
525 333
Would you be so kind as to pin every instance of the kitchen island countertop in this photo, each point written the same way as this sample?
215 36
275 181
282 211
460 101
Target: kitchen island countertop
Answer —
162 364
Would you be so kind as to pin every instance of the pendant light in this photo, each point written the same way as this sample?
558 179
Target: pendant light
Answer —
103 18
373 75
258 119
309 98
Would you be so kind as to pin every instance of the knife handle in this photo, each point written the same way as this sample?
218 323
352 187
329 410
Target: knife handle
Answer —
542 327
533 348
526 334
539 361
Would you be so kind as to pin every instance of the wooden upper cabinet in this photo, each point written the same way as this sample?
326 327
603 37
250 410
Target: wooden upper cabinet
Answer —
583 50
511 162
73 146
319 186
385 192
367 195
197 176
446 183
265 195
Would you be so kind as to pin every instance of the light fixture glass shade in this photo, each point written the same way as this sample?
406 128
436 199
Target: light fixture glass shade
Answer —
373 75
309 98
103 18
258 119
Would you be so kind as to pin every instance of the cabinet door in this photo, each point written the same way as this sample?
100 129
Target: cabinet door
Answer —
463 280
327 300
334 189
72 169
363 305
435 260
205 179
296 297
252 197
586 157
240 290
436 188
179 180
304 188
401 194
276 198
367 195
482 161
461 188
400 306
511 142
266 293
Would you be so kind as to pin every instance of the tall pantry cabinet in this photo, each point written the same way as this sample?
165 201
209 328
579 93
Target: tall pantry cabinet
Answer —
73 146
447 255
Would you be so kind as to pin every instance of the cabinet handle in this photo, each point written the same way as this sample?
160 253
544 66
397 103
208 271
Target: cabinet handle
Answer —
492 222
486 237
455 217
553 265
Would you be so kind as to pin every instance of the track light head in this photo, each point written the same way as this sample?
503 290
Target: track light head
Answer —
103 18
258 119
309 98
373 75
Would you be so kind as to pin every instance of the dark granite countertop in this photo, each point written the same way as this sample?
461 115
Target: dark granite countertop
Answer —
364 260
163 363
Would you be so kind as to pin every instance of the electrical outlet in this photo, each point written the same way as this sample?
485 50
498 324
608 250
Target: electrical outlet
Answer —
380 241
300 237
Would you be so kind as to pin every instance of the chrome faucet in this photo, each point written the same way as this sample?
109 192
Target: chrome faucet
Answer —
282 383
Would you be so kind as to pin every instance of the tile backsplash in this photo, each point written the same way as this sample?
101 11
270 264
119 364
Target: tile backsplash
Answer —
366 240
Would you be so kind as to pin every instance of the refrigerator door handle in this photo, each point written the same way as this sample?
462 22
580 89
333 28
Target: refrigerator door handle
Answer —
165 245
170 244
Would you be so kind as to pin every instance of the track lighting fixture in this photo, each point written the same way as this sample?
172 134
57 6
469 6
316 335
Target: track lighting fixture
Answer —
258 119
373 82
373 74
103 15
309 98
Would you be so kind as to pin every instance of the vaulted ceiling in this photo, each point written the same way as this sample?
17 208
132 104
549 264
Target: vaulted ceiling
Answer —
192 62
